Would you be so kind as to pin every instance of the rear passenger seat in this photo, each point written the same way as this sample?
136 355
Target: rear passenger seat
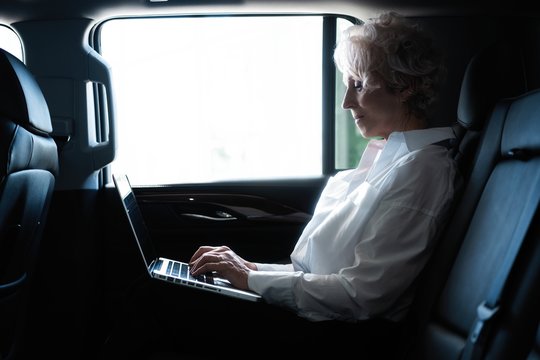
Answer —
495 72
499 184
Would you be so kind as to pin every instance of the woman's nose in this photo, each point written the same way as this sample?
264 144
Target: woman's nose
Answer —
347 102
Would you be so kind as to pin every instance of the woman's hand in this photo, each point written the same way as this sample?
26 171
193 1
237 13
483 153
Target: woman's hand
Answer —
224 262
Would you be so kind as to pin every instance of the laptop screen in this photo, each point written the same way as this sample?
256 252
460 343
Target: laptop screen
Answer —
135 217
148 251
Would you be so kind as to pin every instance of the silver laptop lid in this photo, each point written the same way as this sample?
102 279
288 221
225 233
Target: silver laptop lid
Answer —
135 218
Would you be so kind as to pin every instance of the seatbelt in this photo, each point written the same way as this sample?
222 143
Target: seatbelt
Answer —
447 143
488 309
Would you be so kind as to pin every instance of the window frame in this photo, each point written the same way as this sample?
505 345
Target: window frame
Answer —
328 76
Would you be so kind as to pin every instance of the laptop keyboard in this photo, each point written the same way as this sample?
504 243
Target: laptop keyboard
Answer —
181 270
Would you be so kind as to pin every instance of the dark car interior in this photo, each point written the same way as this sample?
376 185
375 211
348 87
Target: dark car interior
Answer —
71 276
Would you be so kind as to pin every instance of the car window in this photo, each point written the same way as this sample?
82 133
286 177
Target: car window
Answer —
202 99
10 42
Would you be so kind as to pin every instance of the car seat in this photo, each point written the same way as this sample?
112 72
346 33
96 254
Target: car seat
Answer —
28 166
498 203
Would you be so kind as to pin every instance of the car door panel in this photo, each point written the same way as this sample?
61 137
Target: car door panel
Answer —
261 221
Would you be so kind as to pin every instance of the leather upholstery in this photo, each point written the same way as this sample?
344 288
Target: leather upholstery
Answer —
494 73
28 166
457 277
502 185
22 99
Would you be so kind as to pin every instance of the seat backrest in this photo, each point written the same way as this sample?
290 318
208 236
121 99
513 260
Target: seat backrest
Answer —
495 72
28 166
511 181
512 334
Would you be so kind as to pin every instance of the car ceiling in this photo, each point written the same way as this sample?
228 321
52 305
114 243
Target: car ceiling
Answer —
12 11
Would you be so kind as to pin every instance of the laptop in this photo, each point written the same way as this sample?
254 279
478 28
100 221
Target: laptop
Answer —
169 270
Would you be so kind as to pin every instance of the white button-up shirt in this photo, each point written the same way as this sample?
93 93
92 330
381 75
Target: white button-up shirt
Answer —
371 233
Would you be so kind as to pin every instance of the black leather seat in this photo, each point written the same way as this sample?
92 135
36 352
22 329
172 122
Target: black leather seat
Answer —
503 182
28 166
496 72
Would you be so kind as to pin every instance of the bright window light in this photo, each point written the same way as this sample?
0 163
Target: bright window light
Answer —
216 98
10 42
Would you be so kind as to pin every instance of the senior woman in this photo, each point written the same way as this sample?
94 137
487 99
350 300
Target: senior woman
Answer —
374 226
352 272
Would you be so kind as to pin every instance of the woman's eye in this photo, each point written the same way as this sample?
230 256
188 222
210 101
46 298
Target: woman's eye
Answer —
358 85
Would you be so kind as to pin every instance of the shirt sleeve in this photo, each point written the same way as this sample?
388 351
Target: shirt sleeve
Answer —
382 271
391 249
274 267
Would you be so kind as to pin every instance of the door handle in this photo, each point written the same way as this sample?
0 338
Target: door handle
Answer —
221 216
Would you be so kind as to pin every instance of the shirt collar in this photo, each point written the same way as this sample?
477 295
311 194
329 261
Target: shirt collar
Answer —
401 143
379 153
417 139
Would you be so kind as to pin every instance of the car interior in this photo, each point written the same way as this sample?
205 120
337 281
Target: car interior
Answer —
94 88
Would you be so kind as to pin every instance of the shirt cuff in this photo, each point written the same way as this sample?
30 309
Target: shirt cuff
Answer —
276 287
274 267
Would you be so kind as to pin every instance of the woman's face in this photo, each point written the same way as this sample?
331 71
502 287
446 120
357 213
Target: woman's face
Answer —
377 111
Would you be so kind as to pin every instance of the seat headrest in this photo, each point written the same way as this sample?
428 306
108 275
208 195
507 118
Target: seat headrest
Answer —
495 72
522 126
21 98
